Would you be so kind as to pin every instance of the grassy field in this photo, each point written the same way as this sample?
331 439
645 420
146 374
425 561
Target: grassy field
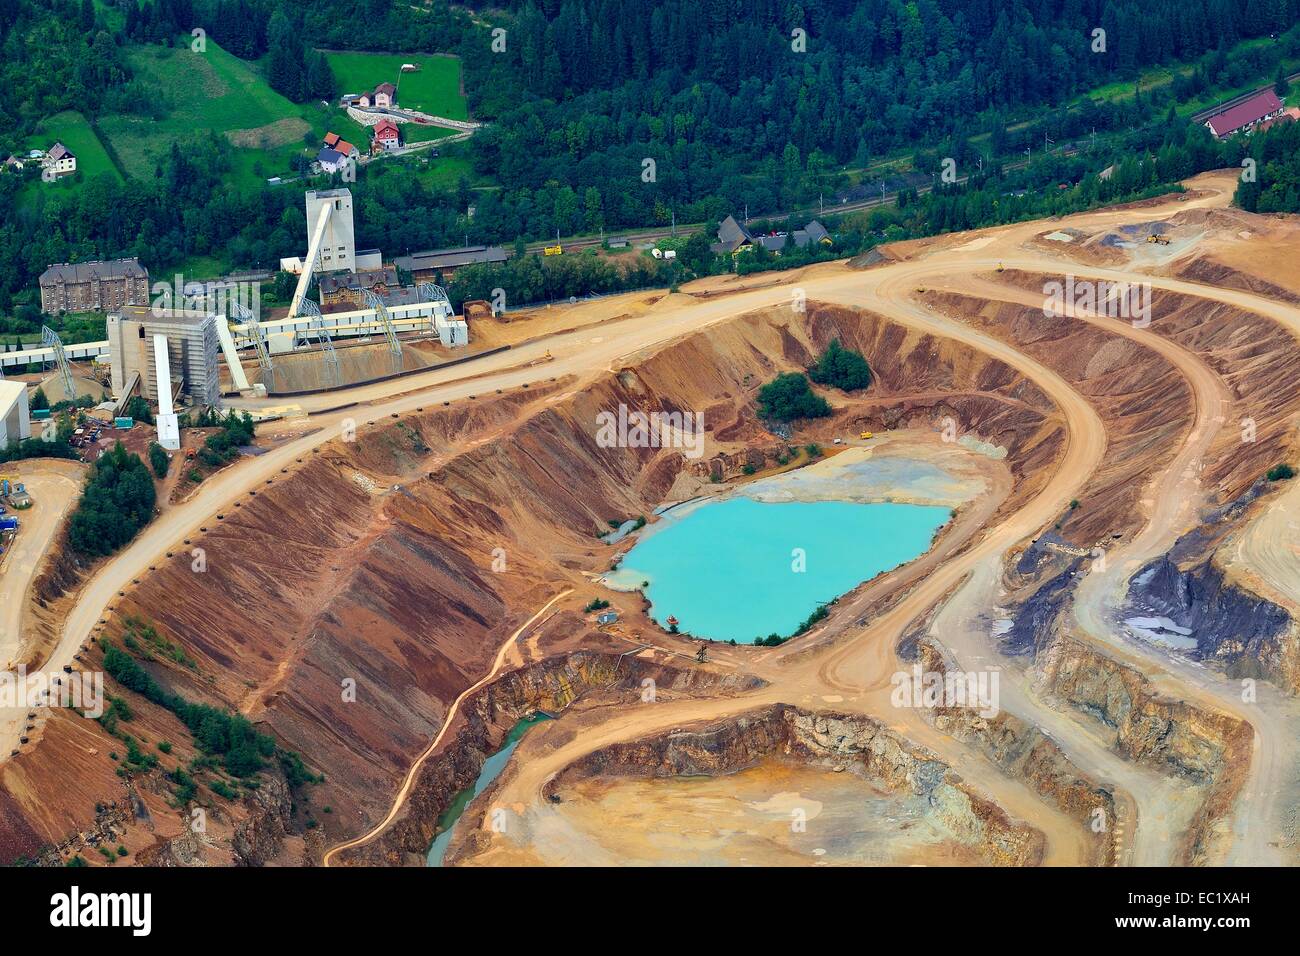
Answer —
1157 77
73 131
434 88
218 92
418 133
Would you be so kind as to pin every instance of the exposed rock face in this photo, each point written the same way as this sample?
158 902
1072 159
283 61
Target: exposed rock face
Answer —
830 740
1249 636
1213 272
1033 624
1255 356
1210 749
1242 632
550 686
1139 394
1024 752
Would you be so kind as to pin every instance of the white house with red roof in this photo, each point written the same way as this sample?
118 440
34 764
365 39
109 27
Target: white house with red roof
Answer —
1262 106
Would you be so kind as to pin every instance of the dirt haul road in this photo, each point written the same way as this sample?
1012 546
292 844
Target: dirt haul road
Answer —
861 663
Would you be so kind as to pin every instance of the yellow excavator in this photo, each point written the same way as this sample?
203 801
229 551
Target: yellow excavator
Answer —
1158 239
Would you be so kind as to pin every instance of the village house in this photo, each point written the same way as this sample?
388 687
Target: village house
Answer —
733 238
383 97
386 136
341 146
331 160
1287 116
1260 107
60 161
93 286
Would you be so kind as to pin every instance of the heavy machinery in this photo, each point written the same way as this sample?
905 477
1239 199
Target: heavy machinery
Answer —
553 250
1158 239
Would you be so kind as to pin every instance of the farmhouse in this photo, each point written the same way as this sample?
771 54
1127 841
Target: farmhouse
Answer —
386 136
93 286
732 237
426 266
59 160
383 97
1262 106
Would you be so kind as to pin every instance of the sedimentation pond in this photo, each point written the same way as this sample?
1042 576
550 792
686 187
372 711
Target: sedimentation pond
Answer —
740 569
492 768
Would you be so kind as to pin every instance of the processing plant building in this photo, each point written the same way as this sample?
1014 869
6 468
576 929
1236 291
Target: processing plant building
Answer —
192 346
15 422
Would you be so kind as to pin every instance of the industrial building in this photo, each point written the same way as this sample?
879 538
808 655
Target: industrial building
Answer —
415 310
93 286
15 421
329 211
192 345
428 266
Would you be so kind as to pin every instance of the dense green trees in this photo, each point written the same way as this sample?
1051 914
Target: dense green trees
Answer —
243 749
1276 183
158 460
117 502
789 396
296 71
54 56
841 368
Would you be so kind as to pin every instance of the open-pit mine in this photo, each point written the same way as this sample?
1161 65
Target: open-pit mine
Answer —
1028 599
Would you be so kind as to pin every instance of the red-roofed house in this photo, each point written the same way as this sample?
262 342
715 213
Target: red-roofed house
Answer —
1260 107
331 139
386 136
384 97
346 149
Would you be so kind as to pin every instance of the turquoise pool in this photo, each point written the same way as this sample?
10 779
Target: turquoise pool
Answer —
741 569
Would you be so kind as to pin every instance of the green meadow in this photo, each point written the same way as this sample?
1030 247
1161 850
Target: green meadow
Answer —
434 88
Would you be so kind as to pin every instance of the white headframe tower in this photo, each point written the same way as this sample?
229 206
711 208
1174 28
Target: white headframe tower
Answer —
338 248
331 243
